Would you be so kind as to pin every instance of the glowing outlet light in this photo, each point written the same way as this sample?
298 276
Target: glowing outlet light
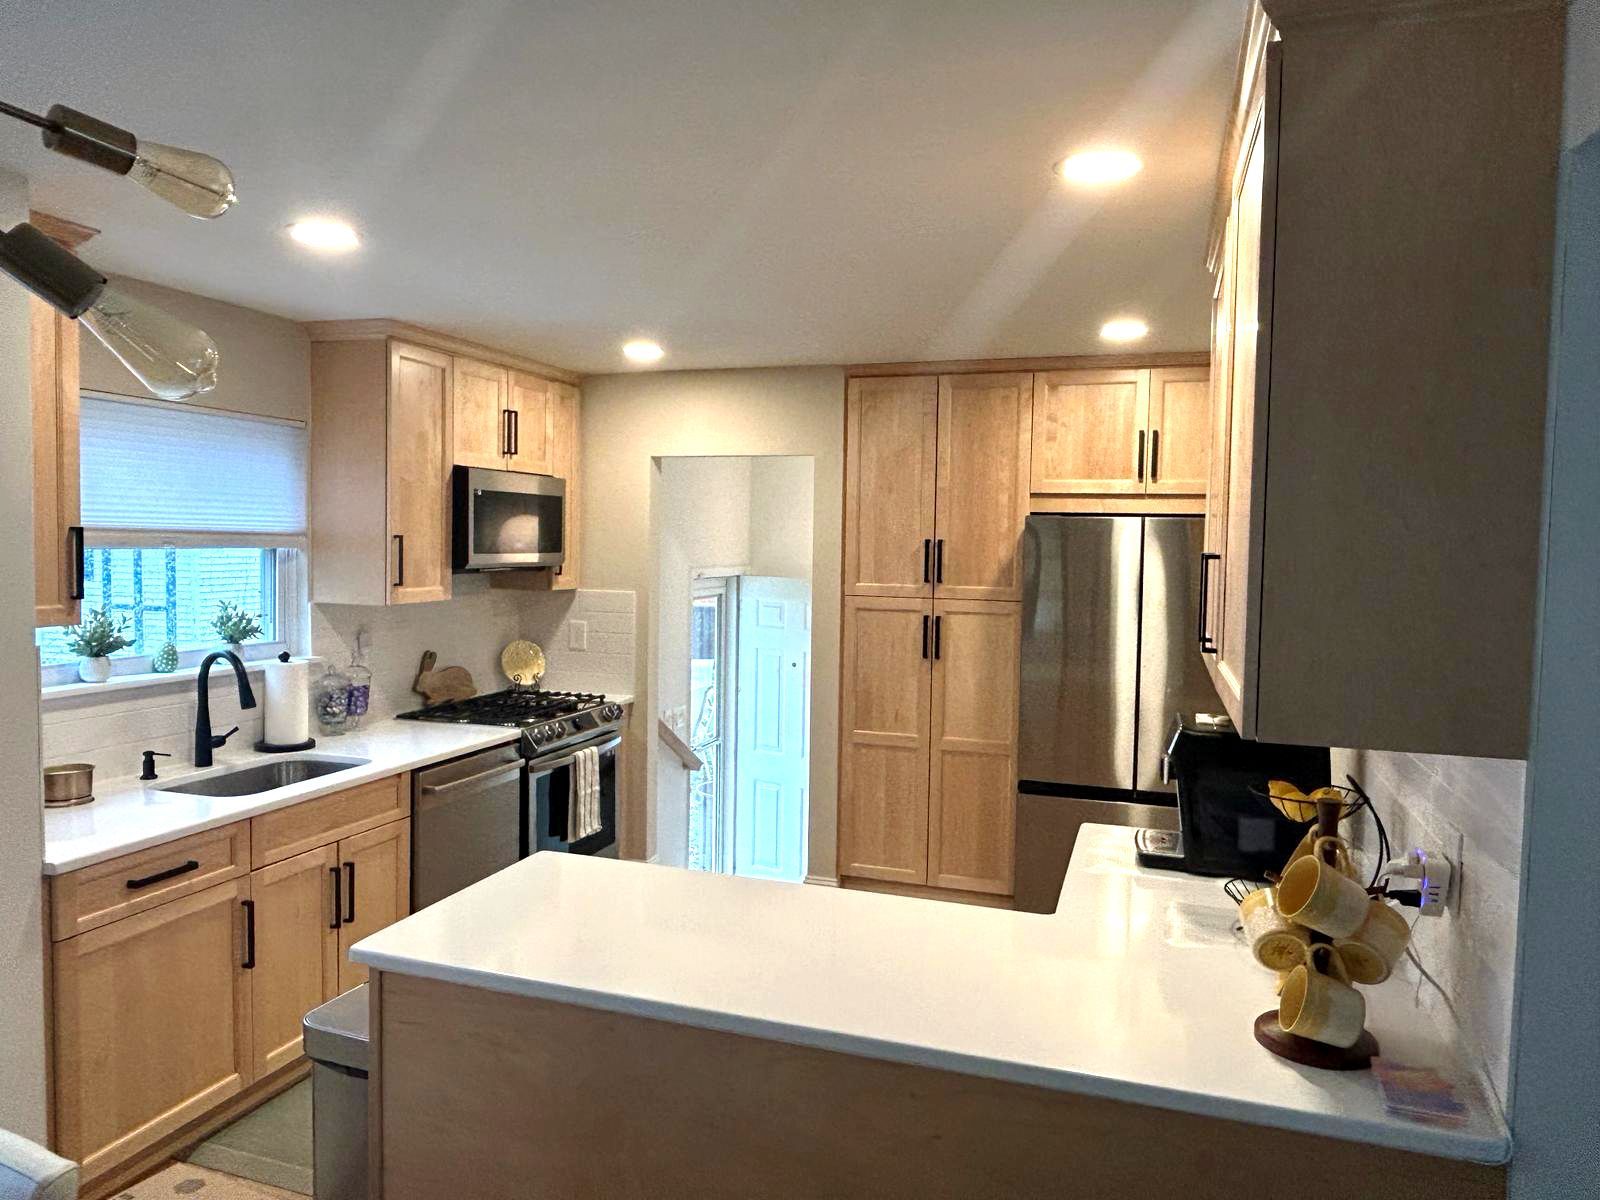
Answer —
642 351
1124 329
1093 168
325 235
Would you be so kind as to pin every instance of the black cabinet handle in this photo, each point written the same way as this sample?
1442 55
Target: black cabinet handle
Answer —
399 560
170 873
1207 645
350 892
338 913
925 635
1138 460
927 559
505 432
938 561
75 540
249 963
938 627
516 432
1155 454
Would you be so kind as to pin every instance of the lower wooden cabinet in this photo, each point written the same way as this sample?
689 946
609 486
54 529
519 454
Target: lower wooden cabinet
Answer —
167 1011
927 779
152 1024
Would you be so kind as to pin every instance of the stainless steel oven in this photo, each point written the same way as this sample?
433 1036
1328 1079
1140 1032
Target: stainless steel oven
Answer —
506 520
550 789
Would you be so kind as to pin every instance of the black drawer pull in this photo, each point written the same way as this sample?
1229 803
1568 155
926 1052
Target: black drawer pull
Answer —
338 912
350 892
75 540
249 963
170 873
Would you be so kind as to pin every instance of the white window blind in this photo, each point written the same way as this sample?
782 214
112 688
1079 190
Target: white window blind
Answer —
172 467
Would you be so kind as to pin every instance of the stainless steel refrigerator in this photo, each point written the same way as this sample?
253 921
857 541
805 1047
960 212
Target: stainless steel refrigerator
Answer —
1108 657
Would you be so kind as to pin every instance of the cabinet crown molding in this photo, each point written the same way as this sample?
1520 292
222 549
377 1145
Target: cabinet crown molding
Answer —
378 328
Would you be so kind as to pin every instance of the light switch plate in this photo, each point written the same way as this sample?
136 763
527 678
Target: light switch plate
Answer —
577 635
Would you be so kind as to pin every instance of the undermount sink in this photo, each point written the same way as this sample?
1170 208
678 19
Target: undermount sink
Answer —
263 777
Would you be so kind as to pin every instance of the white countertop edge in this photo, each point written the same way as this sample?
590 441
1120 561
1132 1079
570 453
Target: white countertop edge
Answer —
1417 1138
61 859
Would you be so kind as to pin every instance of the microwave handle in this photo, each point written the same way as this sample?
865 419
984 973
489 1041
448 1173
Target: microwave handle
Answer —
536 768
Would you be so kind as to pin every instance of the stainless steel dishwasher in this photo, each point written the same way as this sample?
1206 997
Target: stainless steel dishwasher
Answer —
468 821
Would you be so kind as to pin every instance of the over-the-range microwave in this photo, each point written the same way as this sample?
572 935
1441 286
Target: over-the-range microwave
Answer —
507 520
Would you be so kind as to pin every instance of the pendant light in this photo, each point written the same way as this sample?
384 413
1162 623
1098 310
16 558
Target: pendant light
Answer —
172 359
200 185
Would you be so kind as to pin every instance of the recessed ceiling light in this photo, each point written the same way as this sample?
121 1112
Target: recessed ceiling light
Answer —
642 350
1124 329
327 234
1094 167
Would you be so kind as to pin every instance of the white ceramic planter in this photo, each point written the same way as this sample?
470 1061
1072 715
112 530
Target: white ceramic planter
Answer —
94 670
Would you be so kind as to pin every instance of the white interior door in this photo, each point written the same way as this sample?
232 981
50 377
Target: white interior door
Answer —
773 728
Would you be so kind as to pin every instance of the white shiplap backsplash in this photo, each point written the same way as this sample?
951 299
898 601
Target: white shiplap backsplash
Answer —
110 729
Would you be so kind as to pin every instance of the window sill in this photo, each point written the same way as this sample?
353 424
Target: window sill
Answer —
183 677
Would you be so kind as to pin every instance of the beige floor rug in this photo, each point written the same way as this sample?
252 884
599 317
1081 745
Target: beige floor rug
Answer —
270 1144
190 1182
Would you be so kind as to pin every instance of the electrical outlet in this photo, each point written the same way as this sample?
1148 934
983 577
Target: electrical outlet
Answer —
577 635
1432 872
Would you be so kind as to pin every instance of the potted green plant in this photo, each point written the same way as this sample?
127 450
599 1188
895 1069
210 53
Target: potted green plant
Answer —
95 641
234 625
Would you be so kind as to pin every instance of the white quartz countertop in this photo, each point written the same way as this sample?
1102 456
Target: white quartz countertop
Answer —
1137 988
127 815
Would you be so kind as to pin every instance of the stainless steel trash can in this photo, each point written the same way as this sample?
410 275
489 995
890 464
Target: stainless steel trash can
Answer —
337 1044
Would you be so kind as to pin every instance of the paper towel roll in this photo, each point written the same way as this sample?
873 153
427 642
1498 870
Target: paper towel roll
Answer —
288 716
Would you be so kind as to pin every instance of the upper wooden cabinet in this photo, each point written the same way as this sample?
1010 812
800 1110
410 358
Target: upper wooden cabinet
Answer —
533 404
381 445
1378 517
483 420
936 485
891 438
1127 432
565 438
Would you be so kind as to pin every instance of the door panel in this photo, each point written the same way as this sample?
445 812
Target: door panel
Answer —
297 951
152 1024
53 367
375 869
1221 407
890 465
772 757
1087 428
482 432
982 494
885 710
530 434
972 799
420 421
1179 451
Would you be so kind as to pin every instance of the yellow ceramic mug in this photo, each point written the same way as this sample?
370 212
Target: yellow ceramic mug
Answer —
1323 897
1324 1008
1277 942
1371 952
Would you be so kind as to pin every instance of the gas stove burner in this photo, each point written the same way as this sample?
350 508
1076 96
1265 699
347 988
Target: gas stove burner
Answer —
548 720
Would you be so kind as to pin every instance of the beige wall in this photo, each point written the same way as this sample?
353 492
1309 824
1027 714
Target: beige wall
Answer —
22 1053
782 496
628 420
266 360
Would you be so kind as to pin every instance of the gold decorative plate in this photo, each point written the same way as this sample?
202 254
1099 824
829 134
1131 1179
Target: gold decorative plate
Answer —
523 663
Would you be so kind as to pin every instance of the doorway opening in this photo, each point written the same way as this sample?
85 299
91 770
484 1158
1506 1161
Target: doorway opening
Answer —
733 678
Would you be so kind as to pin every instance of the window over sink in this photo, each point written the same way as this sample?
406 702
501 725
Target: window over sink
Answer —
185 508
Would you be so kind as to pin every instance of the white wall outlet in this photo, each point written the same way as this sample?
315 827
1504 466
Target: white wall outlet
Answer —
577 635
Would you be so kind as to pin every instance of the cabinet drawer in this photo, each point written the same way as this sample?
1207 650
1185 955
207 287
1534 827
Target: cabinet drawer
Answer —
94 896
301 827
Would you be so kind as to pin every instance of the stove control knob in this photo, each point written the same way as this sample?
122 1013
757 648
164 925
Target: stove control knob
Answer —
611 712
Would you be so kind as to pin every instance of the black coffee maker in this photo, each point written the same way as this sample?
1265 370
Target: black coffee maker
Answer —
1226 824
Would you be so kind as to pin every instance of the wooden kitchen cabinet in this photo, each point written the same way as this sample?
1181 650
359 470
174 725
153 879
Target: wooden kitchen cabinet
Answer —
565 463
533 406
1378 513
1126 432
982 487
382 415
375 871
57 528
973 782
296 968
891 439
151 1024
885 718
482 414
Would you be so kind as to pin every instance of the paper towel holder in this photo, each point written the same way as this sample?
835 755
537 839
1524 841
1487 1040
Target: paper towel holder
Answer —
266 747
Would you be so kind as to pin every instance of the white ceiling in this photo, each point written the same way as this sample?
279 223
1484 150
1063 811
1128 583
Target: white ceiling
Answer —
751 182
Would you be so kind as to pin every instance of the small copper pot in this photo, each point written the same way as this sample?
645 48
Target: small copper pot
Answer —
66 784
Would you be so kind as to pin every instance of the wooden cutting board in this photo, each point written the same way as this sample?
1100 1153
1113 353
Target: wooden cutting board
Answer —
447 683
